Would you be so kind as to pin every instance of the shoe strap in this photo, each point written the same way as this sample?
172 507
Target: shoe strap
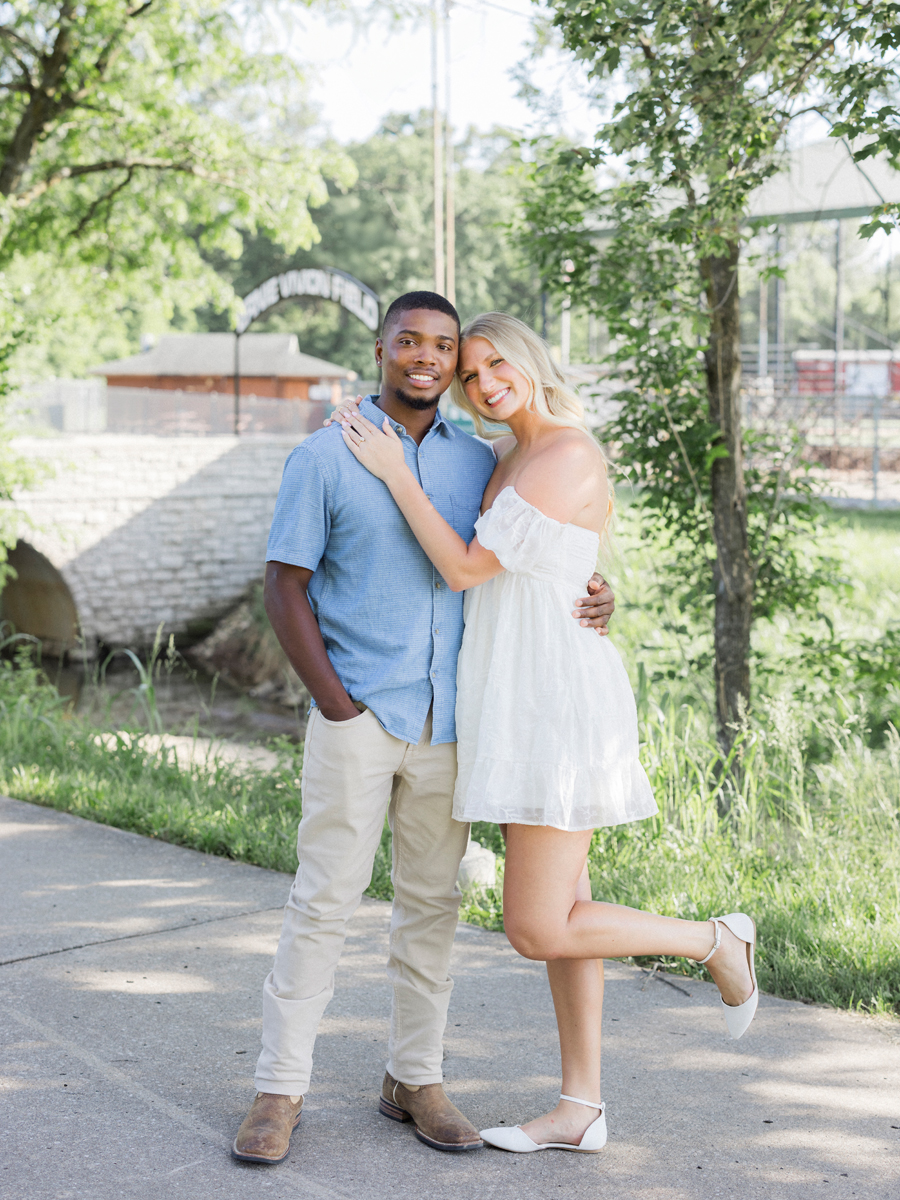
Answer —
718 942
586 1103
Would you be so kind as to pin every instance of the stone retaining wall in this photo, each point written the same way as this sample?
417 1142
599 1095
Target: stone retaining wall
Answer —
149 530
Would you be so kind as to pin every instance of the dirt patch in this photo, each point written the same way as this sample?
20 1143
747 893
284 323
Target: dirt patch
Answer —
244 652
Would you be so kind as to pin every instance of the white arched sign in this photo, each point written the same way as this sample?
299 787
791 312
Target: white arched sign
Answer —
329 283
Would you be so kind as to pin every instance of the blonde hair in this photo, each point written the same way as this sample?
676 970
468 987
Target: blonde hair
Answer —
551 395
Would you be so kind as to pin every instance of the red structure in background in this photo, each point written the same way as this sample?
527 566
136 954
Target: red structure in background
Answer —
862 373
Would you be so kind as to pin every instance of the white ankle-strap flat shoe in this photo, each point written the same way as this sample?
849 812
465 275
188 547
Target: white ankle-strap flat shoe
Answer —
738 1016
517 1140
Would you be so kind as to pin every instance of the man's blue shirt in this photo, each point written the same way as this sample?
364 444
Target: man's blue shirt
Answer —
392 627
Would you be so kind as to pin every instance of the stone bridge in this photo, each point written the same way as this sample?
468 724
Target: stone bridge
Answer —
126 533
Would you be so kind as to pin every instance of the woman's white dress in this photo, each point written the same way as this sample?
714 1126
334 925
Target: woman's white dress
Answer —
545 717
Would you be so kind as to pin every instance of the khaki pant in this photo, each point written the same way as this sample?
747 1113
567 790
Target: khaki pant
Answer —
354 772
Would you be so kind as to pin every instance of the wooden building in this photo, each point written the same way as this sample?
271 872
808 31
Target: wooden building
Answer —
269 364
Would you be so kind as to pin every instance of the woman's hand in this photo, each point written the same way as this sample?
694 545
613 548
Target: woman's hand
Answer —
346 408
379 450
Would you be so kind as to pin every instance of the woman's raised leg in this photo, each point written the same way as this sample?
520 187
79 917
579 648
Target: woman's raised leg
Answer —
542 922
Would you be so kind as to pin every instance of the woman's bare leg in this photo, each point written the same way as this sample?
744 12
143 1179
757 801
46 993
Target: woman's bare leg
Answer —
542 867
548 917
577 987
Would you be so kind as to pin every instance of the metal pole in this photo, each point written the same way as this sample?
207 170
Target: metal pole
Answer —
449 160
889 390
780 313
838 324
887 301
876 415
237 385
565 337
438 131
762 366
544 318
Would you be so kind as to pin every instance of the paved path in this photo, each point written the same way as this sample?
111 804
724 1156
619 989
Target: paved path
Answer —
130 977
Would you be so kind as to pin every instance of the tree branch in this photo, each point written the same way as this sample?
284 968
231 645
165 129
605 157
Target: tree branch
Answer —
104 199
107 54
12 36
770 33
6 32
133 164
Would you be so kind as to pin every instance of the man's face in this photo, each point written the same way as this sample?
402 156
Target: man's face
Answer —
417 356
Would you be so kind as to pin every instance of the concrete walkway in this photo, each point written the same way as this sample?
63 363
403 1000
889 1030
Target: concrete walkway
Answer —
129 1026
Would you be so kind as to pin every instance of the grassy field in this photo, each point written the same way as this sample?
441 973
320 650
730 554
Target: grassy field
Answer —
811 846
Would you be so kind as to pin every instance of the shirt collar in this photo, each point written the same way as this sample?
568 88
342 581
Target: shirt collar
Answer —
370 409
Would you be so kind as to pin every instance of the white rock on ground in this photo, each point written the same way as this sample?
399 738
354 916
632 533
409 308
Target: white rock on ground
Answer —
478 867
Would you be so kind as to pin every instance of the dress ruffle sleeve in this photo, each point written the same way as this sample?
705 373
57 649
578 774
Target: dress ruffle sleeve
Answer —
520 535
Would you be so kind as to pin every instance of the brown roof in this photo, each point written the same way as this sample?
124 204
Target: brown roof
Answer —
261 354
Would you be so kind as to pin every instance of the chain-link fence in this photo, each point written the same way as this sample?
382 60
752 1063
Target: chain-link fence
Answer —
74 406
847 414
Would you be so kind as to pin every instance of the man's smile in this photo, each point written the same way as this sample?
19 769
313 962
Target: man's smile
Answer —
421 378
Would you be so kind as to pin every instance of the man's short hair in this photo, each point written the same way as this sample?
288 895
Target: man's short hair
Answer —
413 300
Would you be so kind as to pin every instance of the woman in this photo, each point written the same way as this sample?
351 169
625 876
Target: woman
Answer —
546 720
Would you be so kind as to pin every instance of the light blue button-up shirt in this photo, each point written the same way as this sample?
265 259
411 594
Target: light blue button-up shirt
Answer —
392 627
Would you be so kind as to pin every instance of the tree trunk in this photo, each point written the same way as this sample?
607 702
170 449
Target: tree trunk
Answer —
46 101
38 113
732 575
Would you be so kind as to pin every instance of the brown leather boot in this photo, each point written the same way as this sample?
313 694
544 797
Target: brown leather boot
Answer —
265 1136
439 1123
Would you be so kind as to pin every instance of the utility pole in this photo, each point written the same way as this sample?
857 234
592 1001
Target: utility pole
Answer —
450 163
438 130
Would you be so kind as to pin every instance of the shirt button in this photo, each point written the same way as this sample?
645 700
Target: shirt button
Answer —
437 630
437 585
433 673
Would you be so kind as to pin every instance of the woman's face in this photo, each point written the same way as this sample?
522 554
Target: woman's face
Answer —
495 388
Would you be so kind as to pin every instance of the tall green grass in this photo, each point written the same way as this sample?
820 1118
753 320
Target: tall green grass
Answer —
810 850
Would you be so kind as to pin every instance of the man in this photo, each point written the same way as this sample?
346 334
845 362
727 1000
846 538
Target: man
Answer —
374 633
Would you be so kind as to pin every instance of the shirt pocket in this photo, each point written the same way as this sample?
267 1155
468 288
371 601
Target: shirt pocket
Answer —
465 514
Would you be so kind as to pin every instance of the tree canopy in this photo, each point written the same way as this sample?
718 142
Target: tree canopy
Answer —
134 134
